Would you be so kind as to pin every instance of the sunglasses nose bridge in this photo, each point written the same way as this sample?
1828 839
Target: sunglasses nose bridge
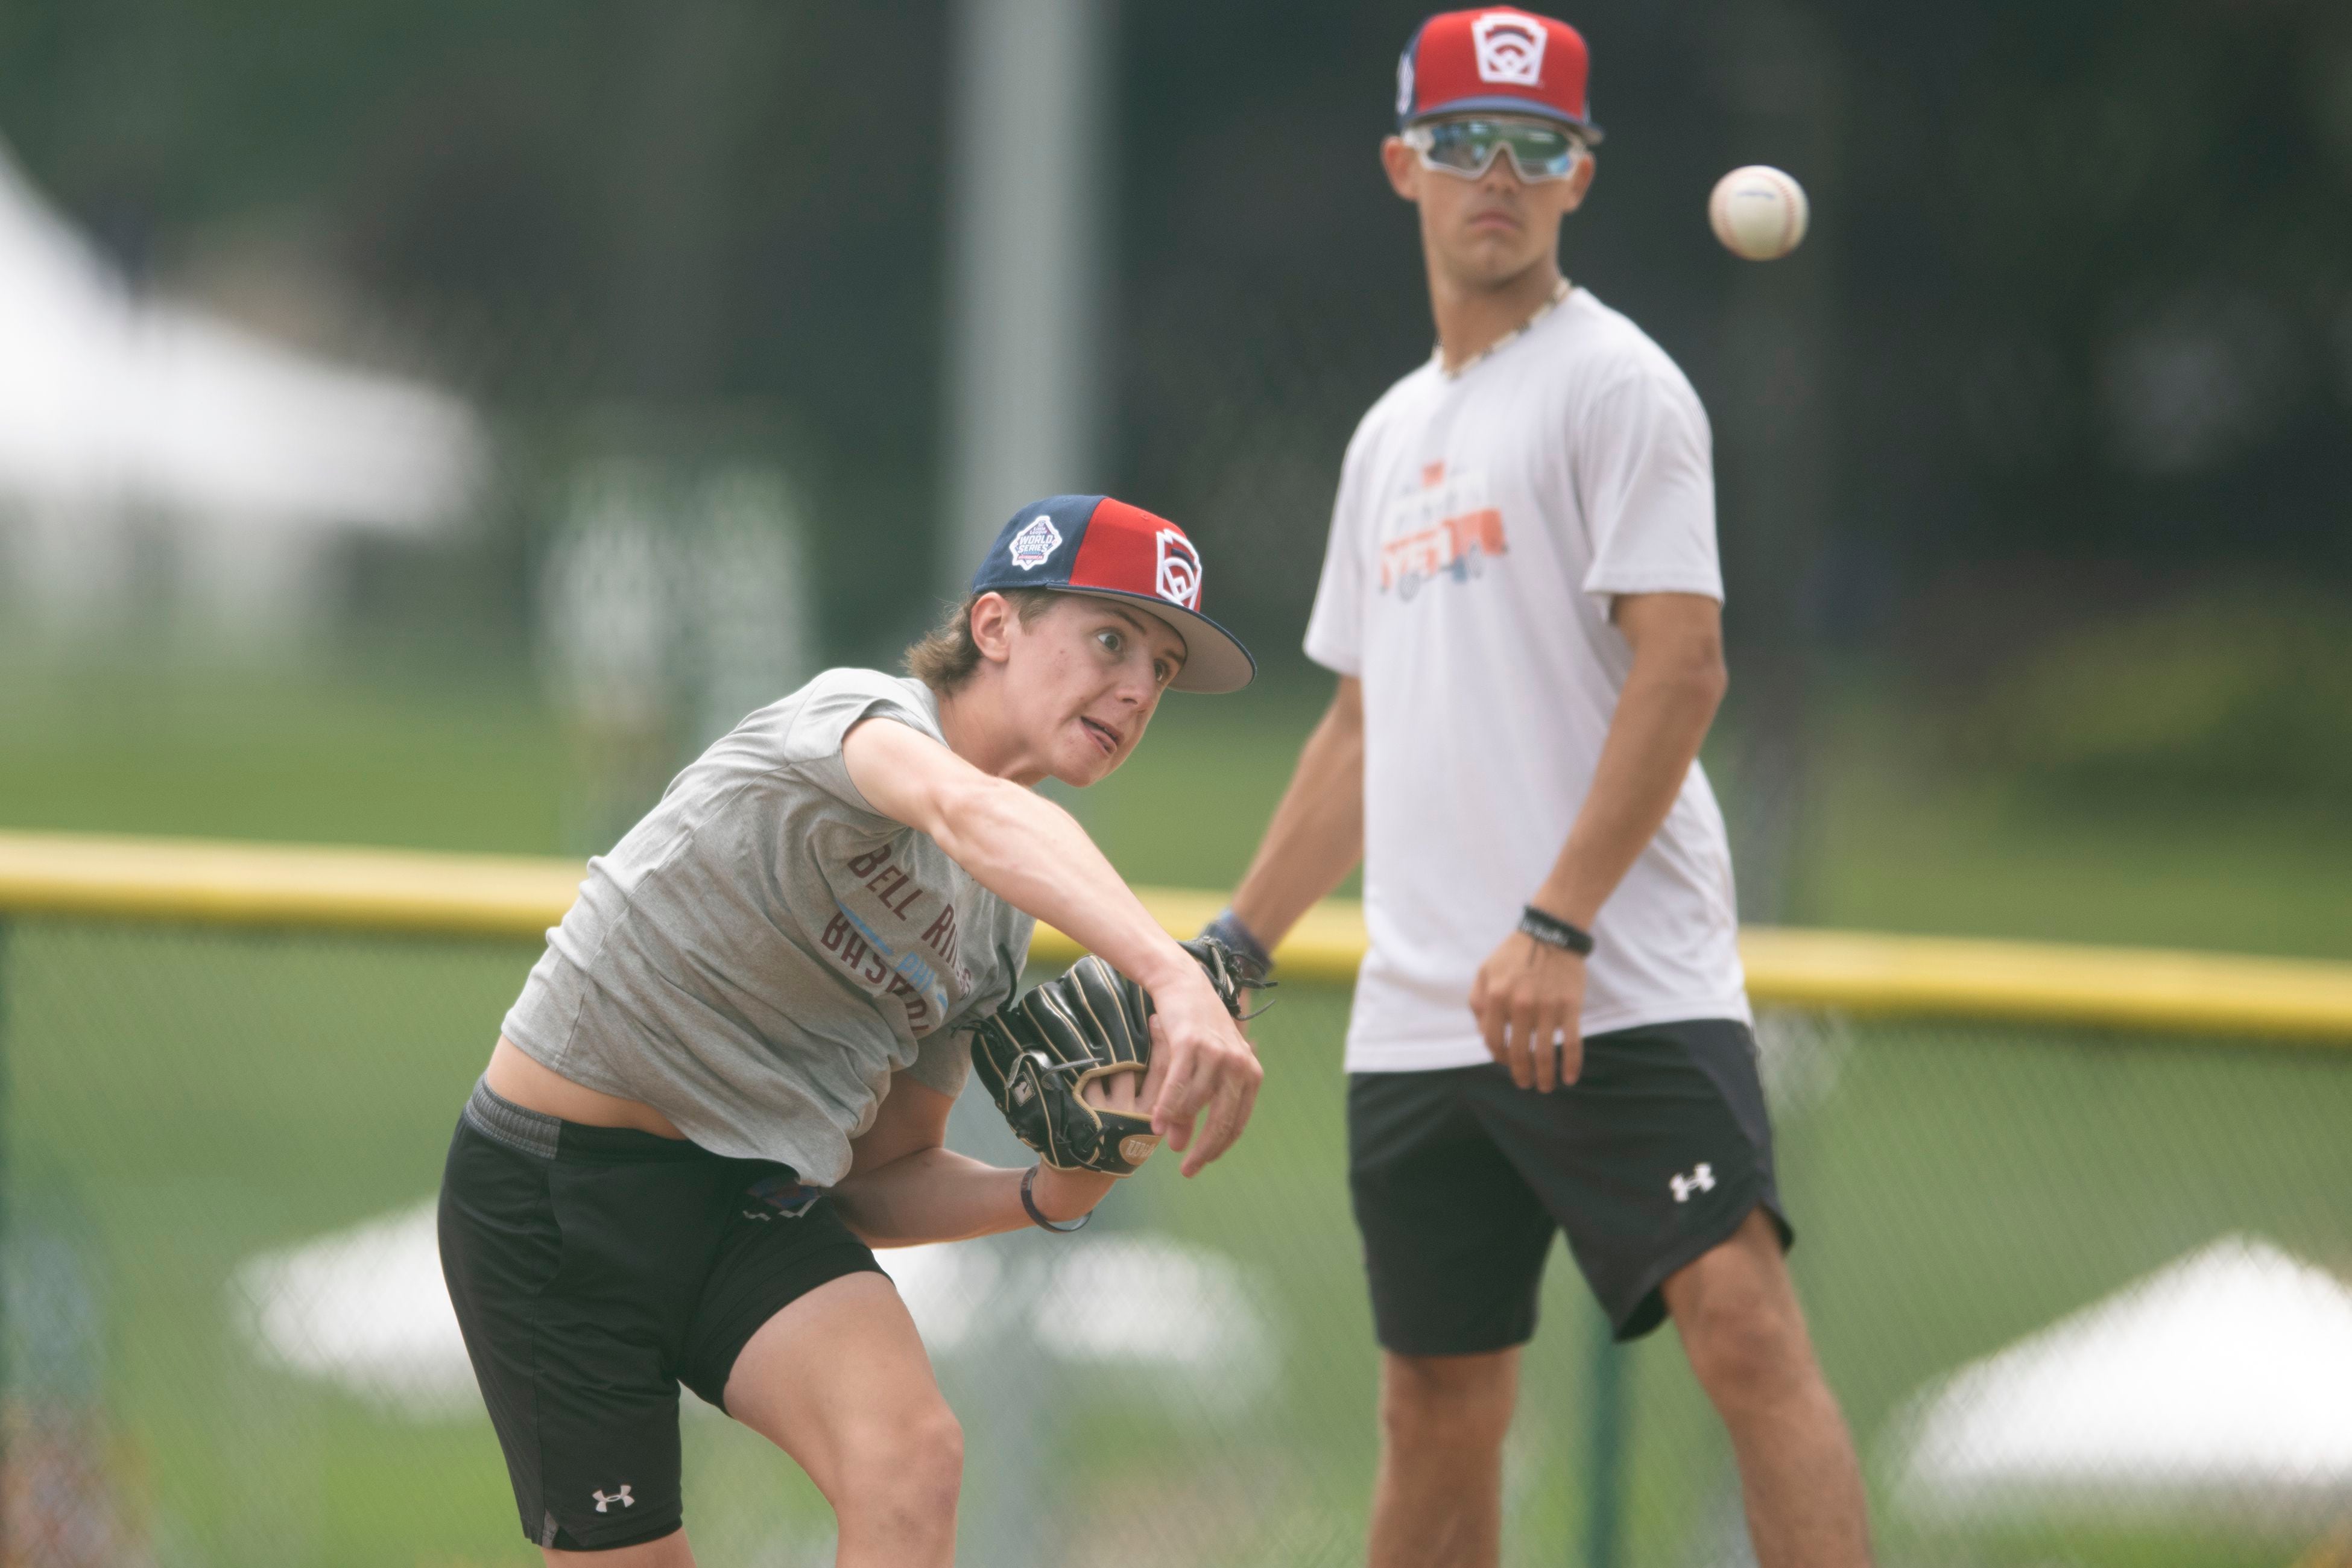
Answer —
1504 149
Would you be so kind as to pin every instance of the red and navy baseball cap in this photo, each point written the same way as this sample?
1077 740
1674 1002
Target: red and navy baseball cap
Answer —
1498 61
1108 550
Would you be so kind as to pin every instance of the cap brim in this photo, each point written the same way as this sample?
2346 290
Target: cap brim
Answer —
1214 659
1500 105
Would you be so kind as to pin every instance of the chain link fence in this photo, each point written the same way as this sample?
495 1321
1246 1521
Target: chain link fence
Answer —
2087 1300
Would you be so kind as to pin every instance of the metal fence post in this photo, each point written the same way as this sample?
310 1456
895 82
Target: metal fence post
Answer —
7 1198
1604 1479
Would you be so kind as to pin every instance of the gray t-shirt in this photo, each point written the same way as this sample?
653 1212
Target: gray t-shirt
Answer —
758 955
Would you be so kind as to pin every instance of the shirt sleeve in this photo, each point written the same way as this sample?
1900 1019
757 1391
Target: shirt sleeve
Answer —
835 702
1335 630
943 1061
1646 473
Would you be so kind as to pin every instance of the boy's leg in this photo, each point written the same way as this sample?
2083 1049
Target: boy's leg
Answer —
669 1552
839 1380
1746 1338
1438 1500
574 1367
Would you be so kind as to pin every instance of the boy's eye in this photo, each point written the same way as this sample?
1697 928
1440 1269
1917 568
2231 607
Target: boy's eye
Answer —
1112 642
1162 671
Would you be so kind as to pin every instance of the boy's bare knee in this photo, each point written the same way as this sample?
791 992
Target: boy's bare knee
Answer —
932 1457
909 1468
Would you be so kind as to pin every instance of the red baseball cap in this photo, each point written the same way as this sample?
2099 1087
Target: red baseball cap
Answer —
1502 61
1108 550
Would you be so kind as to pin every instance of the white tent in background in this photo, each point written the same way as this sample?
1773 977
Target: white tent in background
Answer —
365 1309
120 413
2220 1385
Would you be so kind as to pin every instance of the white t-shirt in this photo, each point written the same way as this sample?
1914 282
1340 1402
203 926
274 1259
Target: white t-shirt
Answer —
1484 522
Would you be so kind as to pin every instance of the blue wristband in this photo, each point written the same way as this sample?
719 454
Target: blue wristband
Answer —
1228 929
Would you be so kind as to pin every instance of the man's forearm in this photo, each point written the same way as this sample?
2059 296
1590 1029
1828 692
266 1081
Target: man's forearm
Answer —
1663 715
1317 832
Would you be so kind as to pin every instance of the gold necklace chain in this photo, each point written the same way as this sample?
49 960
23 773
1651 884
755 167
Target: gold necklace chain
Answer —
1559 291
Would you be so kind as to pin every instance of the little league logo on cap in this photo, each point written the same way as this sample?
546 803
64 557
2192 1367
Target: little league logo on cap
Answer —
1511 48
1106 549
1498 61
1178 579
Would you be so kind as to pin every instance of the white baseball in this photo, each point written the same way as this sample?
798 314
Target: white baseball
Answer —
1757 212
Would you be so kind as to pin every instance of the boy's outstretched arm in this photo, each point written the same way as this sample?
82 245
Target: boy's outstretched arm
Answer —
1034 856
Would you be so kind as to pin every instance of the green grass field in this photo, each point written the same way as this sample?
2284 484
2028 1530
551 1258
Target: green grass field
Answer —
182 1102
179 1102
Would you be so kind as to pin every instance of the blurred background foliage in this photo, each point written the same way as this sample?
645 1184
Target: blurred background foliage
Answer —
2033 490
2241 694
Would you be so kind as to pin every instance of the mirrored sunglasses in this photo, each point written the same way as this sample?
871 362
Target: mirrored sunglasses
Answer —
1468 147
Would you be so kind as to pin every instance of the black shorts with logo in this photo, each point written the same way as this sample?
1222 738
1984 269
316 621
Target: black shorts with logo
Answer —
594 1269
1654 1155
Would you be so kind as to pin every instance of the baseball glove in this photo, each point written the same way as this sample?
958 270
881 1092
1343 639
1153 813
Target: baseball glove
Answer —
1039 1051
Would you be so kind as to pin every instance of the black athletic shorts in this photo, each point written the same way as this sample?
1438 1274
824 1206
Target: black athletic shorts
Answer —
1654 1155
594 1269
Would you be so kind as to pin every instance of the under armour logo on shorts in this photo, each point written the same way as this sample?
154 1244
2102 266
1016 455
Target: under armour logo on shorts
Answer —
604 1504
1700 1180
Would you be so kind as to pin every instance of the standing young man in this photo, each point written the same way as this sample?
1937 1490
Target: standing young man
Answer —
1521 599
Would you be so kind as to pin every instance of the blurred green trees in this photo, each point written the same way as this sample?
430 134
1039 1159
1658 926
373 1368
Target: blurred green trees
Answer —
2244 694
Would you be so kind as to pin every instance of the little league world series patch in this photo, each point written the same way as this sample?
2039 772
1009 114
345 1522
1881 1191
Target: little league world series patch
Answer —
1035 545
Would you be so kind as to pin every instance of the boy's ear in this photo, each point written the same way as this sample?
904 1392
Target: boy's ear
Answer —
991 627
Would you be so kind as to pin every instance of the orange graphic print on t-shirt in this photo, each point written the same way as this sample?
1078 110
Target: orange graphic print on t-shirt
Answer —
1456 546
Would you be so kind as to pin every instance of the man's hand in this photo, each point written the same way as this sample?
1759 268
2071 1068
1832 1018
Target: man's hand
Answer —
1198 1060
1528 995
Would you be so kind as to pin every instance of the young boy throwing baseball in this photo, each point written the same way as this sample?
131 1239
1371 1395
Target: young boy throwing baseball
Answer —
730 1076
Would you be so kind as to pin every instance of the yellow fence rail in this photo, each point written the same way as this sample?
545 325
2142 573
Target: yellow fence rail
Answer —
414 893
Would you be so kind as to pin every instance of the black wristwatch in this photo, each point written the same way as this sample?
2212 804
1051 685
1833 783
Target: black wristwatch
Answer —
1552 930
1038 1215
